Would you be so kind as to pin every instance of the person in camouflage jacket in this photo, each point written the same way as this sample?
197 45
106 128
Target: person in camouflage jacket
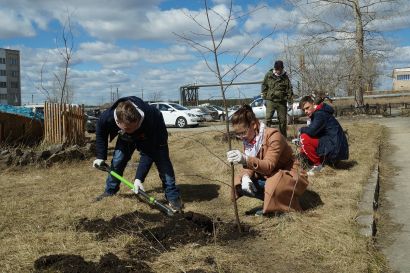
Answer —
277 91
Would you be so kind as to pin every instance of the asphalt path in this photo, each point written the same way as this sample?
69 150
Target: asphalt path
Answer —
397 250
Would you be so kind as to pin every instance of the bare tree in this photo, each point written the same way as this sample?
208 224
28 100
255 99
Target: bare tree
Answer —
317 71
215 28
331 21
155 95
58 89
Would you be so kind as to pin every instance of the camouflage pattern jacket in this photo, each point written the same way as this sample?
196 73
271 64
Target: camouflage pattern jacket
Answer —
277 88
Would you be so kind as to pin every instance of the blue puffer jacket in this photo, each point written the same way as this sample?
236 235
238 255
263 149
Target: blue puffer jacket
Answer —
332 140
147 138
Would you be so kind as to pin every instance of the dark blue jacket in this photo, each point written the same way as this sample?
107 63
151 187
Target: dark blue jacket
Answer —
151 134
332 140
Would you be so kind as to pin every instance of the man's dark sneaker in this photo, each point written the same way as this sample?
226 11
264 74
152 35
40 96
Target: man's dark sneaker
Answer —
102 196
176 205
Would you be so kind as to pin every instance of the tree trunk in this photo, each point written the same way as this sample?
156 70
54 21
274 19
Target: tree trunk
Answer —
359 86
218 73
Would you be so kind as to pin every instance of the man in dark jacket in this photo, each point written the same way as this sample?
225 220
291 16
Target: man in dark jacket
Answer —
277 91
323 140
138 126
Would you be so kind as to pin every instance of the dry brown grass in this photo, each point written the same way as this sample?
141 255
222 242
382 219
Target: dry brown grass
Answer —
42 207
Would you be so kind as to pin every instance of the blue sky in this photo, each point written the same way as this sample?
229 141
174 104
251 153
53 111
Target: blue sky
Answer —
131 44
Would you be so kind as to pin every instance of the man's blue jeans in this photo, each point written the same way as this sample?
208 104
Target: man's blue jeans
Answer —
260 189
159 155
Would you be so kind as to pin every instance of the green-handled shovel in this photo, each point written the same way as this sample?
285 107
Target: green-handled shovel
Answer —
142 193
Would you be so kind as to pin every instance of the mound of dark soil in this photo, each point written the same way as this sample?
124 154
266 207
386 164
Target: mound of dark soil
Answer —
154 234
180 230
163 233
109 263
127 223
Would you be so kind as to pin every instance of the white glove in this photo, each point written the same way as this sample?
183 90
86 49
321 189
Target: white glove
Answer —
98 163
247 185
236 157
138 186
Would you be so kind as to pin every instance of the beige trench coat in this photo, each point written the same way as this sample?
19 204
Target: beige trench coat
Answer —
275 162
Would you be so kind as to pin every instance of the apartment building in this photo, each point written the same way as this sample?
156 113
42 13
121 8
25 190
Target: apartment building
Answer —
401 79
10 83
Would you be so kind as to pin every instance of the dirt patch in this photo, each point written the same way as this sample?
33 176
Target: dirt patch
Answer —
75 263
153 234
310 200
198 193
162 233
194 192
344 165
130 222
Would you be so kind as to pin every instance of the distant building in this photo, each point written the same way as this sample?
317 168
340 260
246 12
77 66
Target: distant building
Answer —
10 90
401 79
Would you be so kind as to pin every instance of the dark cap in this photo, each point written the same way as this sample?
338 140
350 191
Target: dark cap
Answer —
278 65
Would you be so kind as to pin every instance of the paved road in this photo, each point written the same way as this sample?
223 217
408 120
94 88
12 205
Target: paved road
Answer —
398 253
208 126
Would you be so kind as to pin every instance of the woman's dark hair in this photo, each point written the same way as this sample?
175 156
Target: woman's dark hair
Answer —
126 112
244 115
320 99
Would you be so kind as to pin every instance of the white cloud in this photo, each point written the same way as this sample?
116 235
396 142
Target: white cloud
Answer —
107 55
272 18
13 24
111 20
151 59
166 55
400 57
393 22
114 57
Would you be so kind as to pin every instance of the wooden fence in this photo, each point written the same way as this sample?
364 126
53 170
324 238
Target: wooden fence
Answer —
64 123
20 129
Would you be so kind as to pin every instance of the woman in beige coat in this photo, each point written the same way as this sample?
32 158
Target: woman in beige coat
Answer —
270 171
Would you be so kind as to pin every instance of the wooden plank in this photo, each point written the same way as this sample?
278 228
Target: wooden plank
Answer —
60 123
57 120
52 121
45 120
64 124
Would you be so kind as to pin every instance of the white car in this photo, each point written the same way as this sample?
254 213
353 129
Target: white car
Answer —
259 108
208 115
177 115
221 112
219 109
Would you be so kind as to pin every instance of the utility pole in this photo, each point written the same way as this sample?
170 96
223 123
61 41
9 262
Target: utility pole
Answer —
142 93
117 94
